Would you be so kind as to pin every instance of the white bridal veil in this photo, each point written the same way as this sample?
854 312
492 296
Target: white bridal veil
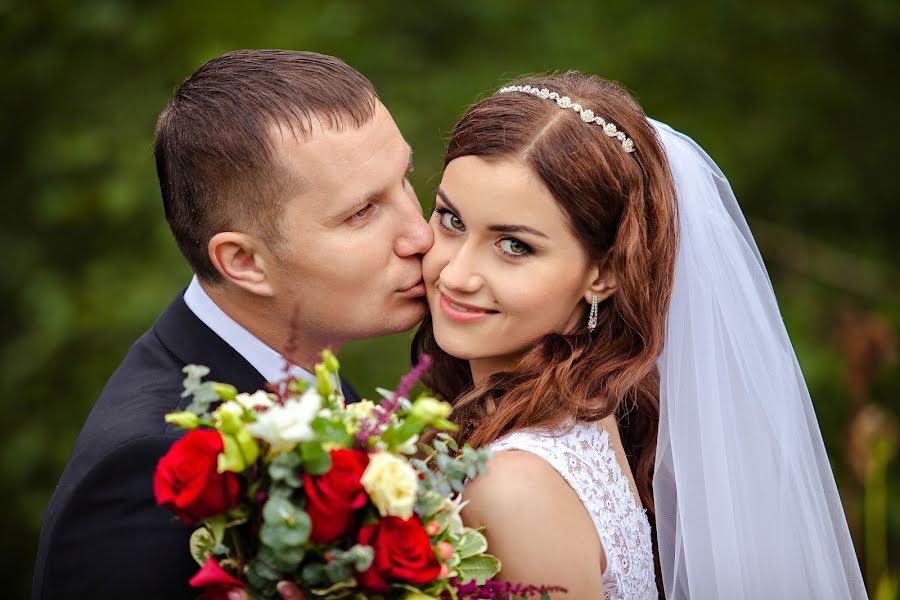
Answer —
746 503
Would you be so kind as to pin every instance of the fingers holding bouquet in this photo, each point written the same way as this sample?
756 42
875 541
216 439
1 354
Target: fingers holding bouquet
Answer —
286 589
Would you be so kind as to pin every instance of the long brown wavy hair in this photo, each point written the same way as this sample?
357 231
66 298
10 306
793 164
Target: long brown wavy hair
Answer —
622 208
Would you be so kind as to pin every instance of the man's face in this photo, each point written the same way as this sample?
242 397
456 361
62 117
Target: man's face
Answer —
349 265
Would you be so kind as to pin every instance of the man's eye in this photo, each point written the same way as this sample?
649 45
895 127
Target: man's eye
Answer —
451 221
362 212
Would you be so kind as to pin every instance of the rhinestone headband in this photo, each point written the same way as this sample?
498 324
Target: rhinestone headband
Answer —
586 114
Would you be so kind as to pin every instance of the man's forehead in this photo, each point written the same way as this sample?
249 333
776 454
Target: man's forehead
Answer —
343 164
333 147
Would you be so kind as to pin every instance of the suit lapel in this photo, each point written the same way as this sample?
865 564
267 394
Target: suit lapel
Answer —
192 342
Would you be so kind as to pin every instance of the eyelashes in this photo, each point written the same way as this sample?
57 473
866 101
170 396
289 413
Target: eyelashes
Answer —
511 247
448 220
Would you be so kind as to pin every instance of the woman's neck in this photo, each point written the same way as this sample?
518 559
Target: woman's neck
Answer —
483 368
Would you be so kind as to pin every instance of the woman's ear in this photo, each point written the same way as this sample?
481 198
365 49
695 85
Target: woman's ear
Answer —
601 283
242 260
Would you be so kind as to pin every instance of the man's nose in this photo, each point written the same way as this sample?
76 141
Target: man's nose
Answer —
415 236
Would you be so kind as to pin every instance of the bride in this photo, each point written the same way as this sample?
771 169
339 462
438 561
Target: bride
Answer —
601 318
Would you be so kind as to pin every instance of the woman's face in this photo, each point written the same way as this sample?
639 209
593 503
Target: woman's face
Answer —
505 268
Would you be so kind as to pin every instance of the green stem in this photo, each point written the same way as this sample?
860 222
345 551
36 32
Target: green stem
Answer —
236 542
875 510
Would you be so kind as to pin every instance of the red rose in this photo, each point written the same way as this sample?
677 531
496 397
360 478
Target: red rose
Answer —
187 481
214 580
403 553
334 496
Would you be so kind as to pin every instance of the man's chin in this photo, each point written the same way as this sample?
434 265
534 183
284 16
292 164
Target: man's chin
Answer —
410 315
399 318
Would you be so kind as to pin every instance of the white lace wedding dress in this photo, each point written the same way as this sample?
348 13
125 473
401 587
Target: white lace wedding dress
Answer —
583 457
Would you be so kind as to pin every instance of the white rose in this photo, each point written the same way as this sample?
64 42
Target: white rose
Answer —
255 401
391 483
283 426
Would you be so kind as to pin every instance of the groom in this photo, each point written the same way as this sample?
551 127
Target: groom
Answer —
284 184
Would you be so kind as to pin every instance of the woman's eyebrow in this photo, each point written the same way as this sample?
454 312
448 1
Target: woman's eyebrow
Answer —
495 228
447 201
516 229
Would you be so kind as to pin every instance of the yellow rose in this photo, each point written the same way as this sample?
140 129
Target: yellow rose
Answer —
356 412
391 483
360 410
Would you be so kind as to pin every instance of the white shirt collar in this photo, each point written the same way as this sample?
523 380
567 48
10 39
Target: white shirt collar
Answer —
264 359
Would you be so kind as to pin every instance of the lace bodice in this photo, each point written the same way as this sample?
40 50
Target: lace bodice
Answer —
583 457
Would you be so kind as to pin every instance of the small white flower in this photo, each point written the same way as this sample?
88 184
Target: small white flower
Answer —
628 145
564 102
453 507
544 93
609 129
599 121
587 115
409 446
620 136
576 107
285 425
229 408
257 401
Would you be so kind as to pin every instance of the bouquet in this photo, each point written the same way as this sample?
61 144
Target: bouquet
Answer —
292 483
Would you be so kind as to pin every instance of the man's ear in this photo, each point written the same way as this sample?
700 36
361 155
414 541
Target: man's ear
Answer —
243 260
602 283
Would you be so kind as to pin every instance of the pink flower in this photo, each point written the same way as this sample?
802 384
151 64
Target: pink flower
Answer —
215 581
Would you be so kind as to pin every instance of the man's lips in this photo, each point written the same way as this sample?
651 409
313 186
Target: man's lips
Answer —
461 311
417 290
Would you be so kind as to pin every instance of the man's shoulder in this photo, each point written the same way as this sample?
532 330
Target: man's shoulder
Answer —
145 386
132 406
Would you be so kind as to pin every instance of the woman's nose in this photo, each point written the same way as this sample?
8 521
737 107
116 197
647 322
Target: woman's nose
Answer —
460 273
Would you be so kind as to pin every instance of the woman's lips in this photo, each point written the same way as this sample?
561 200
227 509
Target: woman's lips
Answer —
463 313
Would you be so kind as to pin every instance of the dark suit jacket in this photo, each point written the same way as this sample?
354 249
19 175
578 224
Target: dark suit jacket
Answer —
103 535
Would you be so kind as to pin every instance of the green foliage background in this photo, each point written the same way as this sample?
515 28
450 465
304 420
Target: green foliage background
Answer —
795 99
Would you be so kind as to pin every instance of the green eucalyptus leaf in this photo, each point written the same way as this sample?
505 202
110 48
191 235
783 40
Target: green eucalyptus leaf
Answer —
338 571
285 467
313 574
261 575
480 568
316 460
284 559
281 537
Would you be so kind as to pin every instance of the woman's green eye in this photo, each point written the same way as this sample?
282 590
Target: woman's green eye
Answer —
451 221
513 247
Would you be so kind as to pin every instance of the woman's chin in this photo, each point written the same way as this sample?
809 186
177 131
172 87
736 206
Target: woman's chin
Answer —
461 349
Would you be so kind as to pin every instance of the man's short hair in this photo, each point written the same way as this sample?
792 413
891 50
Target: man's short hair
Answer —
214 147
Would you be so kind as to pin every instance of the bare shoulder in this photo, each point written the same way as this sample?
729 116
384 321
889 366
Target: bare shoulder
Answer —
512 476
535 524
